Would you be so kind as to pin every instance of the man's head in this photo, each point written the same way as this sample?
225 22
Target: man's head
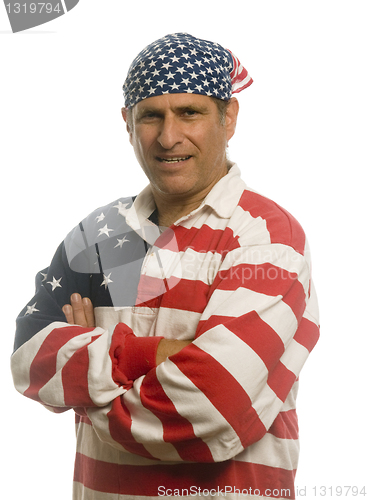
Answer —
180 113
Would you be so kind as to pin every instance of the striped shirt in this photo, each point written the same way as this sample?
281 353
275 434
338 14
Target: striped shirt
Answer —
216 419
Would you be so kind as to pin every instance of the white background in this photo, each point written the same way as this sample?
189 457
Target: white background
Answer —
301 140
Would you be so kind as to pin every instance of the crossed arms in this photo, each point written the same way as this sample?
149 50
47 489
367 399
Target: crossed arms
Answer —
80 312
203 400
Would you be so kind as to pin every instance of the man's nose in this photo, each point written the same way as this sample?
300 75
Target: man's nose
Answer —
169 133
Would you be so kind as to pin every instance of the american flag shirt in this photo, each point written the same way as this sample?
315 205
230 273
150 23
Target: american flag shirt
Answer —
216 419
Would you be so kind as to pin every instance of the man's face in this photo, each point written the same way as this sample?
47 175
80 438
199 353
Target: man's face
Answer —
180 143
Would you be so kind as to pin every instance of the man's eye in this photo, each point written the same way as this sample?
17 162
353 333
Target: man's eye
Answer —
148 117
190 112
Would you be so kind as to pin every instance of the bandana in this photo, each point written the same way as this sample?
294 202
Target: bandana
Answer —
180 63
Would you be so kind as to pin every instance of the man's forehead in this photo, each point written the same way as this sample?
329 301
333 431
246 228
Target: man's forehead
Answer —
173 102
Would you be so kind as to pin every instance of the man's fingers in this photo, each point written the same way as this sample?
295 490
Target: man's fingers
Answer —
89 312
68 311
78 310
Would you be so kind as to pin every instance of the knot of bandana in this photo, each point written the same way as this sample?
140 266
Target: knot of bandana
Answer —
181 63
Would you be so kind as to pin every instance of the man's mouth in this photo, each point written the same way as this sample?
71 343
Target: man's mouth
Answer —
176 159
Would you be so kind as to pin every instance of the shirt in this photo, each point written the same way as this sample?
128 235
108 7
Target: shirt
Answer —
216 419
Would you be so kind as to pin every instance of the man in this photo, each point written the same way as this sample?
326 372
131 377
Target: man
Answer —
182 359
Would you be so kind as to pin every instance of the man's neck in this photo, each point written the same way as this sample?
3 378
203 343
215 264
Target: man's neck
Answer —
171 208
169 214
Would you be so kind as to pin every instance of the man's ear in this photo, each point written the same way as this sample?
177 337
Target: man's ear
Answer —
124 113
231 117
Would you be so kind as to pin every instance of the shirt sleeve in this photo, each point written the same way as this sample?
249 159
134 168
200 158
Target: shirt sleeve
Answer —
222 393
67 366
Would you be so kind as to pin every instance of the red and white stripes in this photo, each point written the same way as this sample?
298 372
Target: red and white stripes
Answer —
219 413
239 76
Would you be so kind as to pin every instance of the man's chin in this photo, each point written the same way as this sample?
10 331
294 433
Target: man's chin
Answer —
175 188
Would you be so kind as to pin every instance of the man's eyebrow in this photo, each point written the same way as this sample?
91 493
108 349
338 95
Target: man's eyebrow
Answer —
192 107
178 109
143 111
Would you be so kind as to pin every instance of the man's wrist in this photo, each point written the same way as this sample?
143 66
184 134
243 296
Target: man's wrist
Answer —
132 356
169 347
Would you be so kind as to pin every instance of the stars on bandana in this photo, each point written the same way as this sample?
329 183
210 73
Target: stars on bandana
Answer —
179 63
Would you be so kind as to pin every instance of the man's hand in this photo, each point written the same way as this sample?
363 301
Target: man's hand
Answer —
79 311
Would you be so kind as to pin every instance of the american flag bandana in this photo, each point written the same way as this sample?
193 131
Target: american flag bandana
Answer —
180 63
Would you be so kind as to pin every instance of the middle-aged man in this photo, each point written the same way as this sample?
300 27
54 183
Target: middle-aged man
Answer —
176 323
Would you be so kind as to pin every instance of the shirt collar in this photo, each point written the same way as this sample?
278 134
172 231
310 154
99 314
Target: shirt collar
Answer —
137 216
225 194
223 199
